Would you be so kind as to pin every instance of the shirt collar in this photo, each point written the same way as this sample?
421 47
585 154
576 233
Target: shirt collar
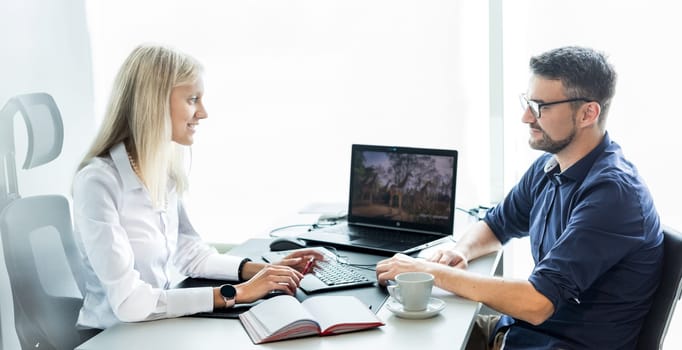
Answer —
119 155
579 170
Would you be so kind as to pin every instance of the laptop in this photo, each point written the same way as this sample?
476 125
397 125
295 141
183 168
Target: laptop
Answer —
400 198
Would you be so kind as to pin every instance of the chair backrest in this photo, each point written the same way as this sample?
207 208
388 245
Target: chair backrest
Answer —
45 138
41 254
657 320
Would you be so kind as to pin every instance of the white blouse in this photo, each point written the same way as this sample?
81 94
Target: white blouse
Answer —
128 248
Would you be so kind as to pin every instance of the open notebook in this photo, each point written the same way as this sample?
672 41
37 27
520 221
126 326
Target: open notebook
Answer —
284 317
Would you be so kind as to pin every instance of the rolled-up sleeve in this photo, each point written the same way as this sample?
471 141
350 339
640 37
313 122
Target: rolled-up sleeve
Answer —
584 251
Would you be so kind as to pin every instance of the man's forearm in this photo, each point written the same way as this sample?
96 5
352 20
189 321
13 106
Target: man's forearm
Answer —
516 298
477 241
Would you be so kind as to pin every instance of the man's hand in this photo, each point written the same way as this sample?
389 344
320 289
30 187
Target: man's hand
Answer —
450 257
387 269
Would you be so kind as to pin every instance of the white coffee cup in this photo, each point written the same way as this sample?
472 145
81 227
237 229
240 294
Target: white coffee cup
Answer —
412 290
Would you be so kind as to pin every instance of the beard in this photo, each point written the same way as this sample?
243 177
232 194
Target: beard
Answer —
549 145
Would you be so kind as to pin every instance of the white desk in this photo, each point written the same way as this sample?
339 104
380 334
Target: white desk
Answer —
450 329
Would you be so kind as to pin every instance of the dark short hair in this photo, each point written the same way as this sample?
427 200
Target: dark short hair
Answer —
584 72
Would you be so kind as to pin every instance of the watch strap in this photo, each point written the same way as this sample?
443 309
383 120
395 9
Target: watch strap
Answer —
241 268
228 302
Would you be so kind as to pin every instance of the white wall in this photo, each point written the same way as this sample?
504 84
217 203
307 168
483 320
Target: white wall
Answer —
285 83
291 85
45 48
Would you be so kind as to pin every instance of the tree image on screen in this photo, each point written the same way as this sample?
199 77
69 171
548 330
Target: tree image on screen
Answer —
402 187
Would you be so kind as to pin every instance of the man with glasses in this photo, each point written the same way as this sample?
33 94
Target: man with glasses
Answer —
595 234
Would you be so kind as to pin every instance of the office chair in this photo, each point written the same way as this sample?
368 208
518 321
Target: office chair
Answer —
37 234
657 320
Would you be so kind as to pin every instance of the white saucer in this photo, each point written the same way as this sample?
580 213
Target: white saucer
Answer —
432 309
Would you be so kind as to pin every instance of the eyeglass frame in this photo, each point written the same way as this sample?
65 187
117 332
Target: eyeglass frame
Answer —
537 106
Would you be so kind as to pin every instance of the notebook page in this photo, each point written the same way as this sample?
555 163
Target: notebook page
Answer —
278 312
346 312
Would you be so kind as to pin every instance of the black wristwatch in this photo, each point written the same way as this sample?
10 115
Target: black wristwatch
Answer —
229 293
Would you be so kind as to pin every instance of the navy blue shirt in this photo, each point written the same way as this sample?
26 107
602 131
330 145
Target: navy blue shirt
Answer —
597 245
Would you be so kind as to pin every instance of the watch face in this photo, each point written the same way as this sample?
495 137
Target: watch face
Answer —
228 291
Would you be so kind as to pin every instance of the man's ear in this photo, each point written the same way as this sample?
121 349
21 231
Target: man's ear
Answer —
590 113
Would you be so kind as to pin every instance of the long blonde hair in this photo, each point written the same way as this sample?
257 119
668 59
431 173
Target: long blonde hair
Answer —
138 114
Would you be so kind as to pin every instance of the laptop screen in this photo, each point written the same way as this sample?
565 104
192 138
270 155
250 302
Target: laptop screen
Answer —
402 187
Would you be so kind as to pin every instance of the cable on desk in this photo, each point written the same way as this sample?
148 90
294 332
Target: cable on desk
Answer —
272 232
311 227
477 212
317 225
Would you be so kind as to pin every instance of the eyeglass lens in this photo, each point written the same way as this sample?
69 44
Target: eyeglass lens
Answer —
526 103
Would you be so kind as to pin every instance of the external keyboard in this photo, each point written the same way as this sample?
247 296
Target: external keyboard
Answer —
333 273
328 274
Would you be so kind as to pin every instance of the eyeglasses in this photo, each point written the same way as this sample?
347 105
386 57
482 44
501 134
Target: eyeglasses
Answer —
536 107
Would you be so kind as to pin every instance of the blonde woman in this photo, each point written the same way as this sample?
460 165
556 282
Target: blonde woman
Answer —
130 223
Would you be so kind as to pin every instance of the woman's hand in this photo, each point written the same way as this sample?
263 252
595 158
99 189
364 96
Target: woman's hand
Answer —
269 278
300 258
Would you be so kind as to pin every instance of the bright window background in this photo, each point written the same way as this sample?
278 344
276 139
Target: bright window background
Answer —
291 85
